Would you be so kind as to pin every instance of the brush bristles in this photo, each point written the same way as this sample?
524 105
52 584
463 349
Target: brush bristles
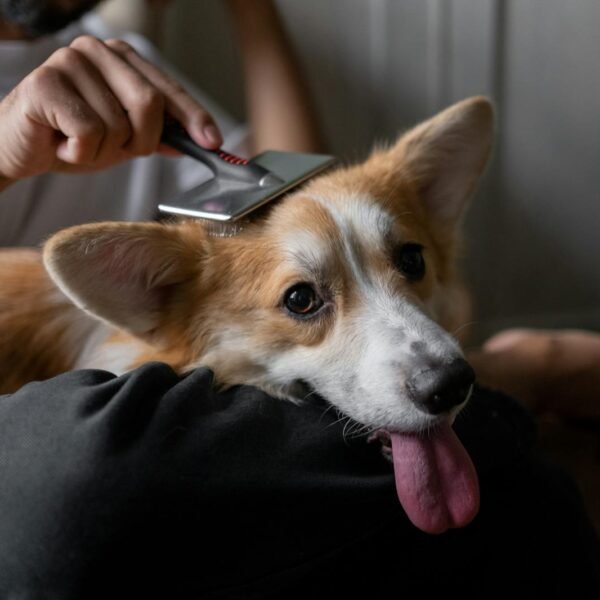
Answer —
222 229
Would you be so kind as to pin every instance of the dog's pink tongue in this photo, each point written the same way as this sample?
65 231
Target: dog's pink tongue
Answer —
436 481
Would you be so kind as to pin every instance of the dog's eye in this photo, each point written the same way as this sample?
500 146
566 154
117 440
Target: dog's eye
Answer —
409 260
302 300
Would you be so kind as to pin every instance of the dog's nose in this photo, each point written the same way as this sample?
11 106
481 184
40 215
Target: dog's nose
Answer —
438 389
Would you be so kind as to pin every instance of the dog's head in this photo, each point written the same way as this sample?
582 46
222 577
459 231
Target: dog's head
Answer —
347 286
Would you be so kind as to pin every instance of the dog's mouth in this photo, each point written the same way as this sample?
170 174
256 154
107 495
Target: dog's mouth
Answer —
436 481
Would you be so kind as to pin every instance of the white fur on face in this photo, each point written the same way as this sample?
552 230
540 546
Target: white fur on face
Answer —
363 364
378 350
360 221
363 367
305 250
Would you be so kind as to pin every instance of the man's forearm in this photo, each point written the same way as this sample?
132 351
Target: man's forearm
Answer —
279 106
555 372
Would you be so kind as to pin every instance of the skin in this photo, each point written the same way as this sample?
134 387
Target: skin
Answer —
91 106
278 103
553 372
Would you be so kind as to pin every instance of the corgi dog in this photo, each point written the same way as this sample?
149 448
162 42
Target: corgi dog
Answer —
348 287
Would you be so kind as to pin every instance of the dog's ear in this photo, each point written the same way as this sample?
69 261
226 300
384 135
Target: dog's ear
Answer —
124 273
445 155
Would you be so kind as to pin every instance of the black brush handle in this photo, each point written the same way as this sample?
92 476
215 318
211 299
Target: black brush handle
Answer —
221 163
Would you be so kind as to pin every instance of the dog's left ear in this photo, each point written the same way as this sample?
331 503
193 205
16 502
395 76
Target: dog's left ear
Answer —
124 273
445 155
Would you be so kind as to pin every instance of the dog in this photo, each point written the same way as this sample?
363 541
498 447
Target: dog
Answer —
347 287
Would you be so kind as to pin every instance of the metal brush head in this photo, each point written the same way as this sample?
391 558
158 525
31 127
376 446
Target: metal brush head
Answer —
226 198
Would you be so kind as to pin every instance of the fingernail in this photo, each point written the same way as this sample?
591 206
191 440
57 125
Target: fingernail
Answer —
212 135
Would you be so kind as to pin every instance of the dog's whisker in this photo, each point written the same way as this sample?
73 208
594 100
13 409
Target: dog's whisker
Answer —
463 326
359 431
353 429
329 407
345 428
340 420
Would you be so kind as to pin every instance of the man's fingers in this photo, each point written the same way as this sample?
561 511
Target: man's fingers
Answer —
178 103
72 96
93 89
143 102
51 101
93 105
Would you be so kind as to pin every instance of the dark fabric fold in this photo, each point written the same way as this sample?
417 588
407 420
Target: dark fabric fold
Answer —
154 485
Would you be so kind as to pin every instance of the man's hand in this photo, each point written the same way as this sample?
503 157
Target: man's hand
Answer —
90 106
554 372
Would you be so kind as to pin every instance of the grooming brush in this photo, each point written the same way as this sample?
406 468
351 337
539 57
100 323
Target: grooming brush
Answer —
239 186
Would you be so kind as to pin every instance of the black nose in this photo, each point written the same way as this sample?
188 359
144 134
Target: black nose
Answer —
439 388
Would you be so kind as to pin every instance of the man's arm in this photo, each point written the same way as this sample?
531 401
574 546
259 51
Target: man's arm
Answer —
279 107
90 106
554 372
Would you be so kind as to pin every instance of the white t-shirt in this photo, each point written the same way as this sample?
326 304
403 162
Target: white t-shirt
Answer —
34 208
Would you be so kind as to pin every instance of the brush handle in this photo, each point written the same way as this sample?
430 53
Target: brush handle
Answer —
221 163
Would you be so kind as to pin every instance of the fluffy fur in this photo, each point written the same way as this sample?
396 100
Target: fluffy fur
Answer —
134 292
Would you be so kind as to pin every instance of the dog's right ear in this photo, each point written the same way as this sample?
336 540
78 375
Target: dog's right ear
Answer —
444 156
124 273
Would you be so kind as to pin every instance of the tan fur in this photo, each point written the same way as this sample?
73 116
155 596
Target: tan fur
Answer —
35 322
189 290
